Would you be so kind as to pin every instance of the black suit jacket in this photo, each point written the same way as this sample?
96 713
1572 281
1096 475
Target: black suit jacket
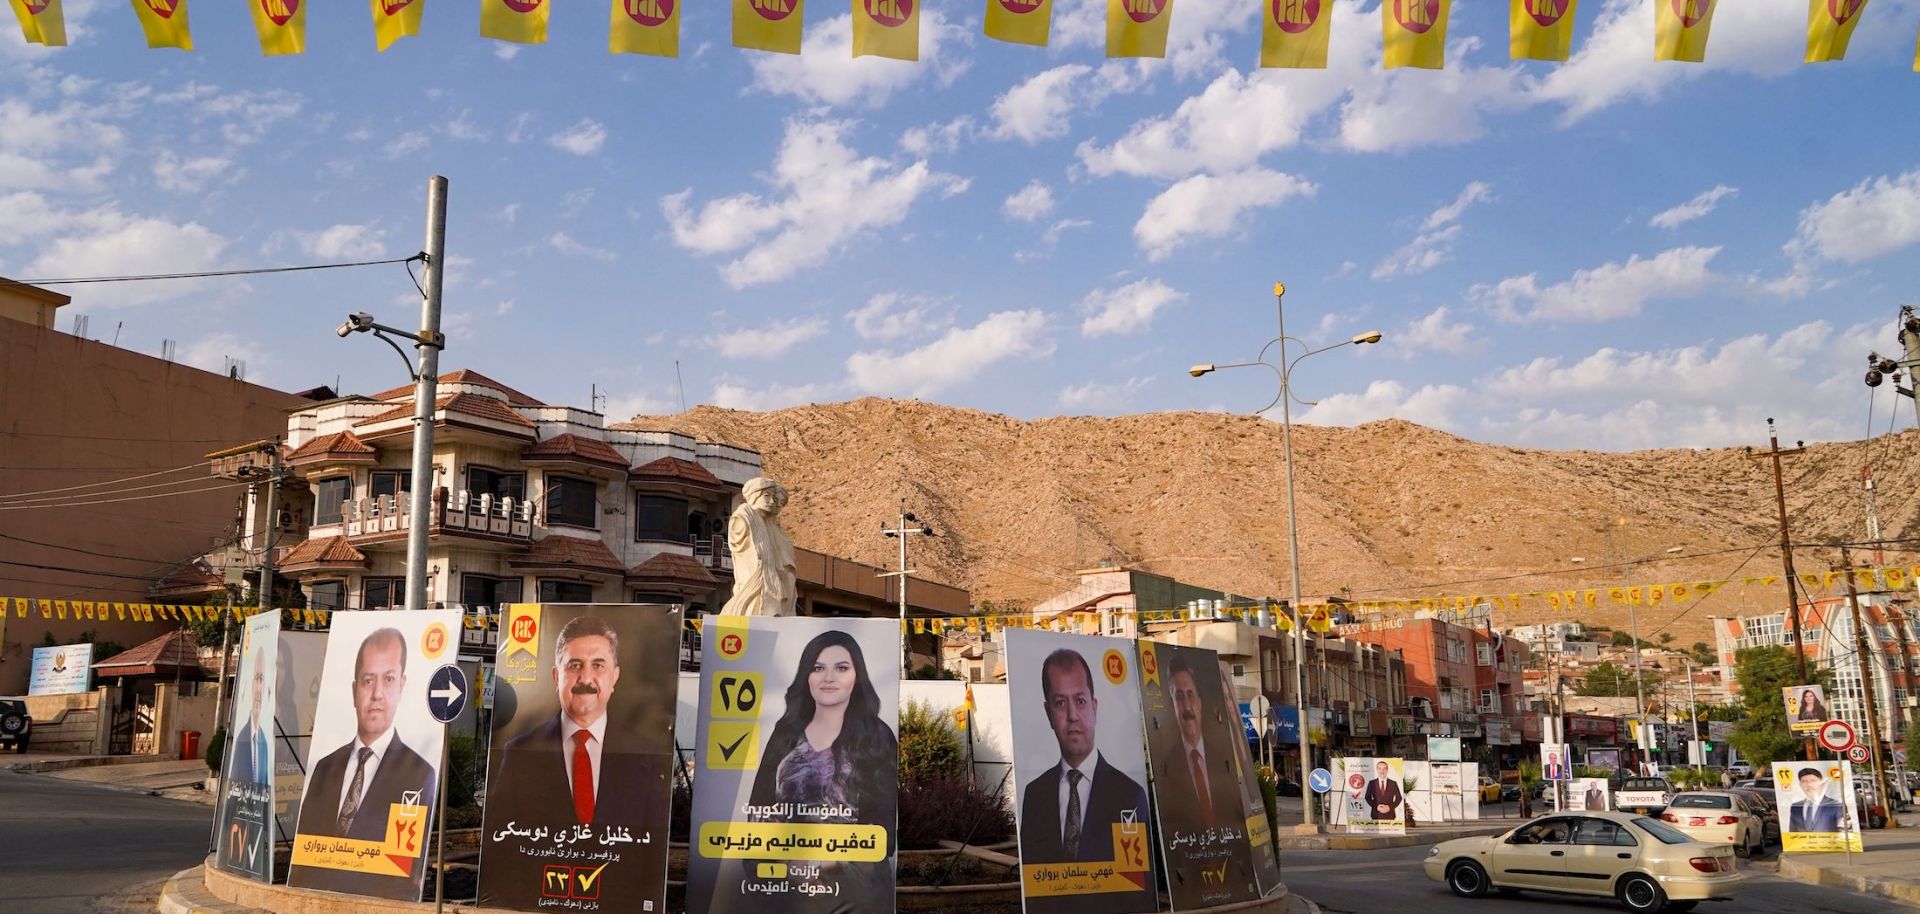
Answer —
1825 817
401 770
530 790
1382 792
1179 804
1042 825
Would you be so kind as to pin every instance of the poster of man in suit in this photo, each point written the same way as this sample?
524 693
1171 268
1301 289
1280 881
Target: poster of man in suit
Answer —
1266 861
1376 802
244 839
1191 731
1080 762
374 762
1588 795
581 773
1818 813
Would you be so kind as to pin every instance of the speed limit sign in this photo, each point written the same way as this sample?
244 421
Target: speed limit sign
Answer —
1836 735
1857 755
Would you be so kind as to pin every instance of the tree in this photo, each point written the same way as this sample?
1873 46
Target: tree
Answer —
1703 654
1622 639
1762 735
1608 680
1666 637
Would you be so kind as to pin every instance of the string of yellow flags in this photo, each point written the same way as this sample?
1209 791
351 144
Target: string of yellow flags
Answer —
1294 33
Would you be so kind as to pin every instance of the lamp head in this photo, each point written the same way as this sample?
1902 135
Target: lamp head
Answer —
1371 336
357 322
1199 370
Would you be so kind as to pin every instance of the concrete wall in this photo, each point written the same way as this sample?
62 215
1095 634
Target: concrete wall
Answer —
175 713
75 412
70 723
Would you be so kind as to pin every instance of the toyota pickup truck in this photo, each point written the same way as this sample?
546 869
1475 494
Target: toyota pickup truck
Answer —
1646 796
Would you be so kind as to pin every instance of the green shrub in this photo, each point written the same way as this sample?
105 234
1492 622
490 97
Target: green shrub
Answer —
215 750
930 750
950 808
466 768
1270 798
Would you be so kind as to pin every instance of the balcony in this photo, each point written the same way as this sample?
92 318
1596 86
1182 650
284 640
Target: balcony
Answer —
460 513
712 552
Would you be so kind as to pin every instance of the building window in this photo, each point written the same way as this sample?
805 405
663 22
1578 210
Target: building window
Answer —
1483 653
566 592
481 590
659 517
573 502
391 482
383 593
328 497
328 595
1489 703
484 481
1239 671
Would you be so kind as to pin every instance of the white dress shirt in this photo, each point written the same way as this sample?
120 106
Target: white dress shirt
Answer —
379 747
1086 769
597 737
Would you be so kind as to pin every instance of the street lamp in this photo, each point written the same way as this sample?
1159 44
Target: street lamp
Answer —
1284 371
1633 624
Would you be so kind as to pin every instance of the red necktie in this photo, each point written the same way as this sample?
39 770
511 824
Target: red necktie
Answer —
582 778
1200 786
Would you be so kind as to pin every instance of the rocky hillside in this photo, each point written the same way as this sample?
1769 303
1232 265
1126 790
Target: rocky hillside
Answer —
1387 510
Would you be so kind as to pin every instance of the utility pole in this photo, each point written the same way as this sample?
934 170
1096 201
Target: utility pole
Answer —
1869 682
1693 713
269 523
901 533
1786 544
429 342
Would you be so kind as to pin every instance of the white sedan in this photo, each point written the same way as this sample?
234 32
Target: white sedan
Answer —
1644 863
1718 817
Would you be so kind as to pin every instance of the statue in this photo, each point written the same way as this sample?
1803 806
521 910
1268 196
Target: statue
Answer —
763 570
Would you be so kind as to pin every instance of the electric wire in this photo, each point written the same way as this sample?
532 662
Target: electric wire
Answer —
30 496
109 501
206 274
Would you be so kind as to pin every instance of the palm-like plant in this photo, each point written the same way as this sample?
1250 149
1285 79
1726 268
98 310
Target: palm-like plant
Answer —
1530 780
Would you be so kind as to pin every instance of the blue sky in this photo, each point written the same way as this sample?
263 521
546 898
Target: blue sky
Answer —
1609 253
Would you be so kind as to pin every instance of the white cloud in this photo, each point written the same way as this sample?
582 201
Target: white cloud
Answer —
1206 206
730 395
624 406
1702 204
506 51
768 340
112 244
1435 333
1605 292
941 137
827 196
894 315
1875 217
507 214
1128 309
1614 63
958 356
1394 110
1050 239
190 176
826 72
1101 397
1433 405
1434 244
1474 192
1029 203
1228 126
244 116
1039 108
460 128
406 144
344 242
211 352
582 139
567 244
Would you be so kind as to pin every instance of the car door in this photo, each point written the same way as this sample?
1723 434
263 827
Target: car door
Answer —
1601 850
1534 856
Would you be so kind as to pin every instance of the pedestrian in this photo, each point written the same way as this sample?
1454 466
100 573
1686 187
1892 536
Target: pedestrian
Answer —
1726 778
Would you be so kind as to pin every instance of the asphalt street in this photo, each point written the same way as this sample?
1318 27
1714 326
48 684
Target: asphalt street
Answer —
76 848
1365 882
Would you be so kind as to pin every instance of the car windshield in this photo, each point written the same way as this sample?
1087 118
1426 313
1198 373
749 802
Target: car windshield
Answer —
1645 784
1702 801
1665 833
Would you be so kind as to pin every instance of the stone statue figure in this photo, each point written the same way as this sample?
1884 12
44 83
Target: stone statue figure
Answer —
763 570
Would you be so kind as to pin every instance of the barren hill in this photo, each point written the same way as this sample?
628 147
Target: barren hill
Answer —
1387 510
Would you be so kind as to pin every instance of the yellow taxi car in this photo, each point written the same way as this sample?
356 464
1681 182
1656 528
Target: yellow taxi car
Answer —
1489 790
1646 864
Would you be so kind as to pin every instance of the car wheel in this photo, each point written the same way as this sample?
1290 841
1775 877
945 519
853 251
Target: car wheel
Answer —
12 724
1743 850
1640 894
1467 879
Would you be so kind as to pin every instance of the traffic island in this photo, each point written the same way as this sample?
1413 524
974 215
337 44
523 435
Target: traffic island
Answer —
1889 867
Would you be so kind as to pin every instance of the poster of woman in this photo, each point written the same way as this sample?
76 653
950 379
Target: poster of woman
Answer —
797 762
244 839
1201 816
580 777
1806 707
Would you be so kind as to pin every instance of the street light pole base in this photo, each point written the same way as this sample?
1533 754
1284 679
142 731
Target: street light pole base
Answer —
1315 829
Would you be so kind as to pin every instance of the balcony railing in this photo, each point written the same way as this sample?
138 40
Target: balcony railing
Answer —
712 552
458 511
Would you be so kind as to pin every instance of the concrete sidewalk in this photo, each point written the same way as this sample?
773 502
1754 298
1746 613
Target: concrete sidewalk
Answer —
1889 868
1332 837
169 777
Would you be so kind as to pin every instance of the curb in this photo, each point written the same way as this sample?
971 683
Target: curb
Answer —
186 893
1378 842
1901 890
92 761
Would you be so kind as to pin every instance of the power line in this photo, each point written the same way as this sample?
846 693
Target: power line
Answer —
56 500
95 485
252 271
109 501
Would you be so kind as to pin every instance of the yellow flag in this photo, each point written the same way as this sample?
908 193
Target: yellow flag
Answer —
1540 29
1414 33
394 20
1896 578
1830 26
41 21
768 25
1019 21
1295 33
522 21
645 27
886 28
1618 595
1656 593
282 25
1681 592
1680 29
1138 28
165 22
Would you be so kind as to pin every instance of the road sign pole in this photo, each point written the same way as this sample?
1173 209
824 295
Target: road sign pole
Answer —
440 826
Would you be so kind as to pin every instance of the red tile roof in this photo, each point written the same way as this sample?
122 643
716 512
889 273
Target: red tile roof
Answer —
172 651
678 470
335 447
470 404
464 376
672 566
324 551
190 579
575 447
569 553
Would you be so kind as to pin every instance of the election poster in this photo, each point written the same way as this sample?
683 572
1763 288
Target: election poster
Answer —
1817 807
245 829
580 776
1556 763
1191 732
1589 795
64 669
299 660
797 760
1266 862
1806 708
1081 772
1376 804
374 762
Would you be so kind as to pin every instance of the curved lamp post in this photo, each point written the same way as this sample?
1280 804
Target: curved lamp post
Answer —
1282 367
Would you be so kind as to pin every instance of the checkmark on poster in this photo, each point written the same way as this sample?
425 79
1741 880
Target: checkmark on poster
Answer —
733 745
727 750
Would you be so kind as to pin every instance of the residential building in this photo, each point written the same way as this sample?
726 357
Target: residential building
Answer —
1463 679
1891 626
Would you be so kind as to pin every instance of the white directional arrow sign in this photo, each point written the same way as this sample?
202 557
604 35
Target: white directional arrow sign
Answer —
447 693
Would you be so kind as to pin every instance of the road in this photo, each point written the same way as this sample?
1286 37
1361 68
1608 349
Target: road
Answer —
77 848
1360 882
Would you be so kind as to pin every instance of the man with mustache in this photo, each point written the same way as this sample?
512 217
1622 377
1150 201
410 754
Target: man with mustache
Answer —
1195 779
573 770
